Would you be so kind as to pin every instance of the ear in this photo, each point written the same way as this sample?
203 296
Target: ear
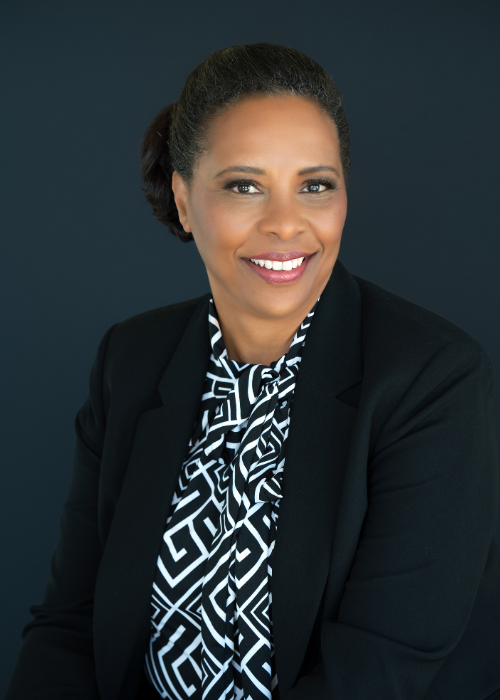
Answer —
181 196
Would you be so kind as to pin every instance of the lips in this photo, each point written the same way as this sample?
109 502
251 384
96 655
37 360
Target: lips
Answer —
280 276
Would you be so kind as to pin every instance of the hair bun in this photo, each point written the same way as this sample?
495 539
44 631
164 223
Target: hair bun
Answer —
156 168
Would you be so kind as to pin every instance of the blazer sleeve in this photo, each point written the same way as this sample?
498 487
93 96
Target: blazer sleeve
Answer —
56 657
432 501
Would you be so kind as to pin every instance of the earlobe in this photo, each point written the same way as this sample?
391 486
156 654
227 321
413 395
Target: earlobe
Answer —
180 190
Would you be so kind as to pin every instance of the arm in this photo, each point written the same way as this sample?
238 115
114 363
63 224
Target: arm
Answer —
56 657
432 500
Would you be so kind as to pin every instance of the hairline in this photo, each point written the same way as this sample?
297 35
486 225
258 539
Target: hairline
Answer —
202 145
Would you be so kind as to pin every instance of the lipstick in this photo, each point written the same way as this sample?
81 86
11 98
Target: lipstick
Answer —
278 268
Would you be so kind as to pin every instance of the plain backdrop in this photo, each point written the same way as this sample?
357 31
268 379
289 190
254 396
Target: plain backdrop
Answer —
80 249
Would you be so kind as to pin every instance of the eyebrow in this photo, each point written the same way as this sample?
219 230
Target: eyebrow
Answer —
258 171
318 169
242 169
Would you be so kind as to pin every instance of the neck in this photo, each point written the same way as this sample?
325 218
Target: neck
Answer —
253 339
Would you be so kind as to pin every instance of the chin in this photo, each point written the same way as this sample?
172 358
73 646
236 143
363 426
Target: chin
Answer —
278 303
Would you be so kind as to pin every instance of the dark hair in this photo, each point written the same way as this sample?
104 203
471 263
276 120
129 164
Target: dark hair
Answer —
175 138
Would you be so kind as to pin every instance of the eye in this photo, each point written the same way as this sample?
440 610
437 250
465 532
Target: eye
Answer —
318 186
242 187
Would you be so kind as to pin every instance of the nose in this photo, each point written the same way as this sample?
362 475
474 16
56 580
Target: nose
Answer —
281 217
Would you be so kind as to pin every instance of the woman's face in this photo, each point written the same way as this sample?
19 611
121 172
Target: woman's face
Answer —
270 188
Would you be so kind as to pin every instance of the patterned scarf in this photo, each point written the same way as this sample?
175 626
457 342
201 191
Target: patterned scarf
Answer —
237 449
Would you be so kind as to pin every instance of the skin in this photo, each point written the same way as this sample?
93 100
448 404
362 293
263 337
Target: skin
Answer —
239 215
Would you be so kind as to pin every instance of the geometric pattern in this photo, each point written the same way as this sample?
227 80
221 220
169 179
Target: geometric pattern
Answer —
211 606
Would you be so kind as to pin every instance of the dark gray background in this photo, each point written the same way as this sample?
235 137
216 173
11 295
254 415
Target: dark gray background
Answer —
81 251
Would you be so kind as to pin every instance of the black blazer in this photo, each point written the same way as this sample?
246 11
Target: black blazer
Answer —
386 573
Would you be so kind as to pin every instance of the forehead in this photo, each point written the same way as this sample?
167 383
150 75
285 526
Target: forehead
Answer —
272 128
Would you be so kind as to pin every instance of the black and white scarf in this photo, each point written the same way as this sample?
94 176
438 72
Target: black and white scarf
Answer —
211 633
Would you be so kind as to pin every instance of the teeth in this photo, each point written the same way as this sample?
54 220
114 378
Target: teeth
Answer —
278 265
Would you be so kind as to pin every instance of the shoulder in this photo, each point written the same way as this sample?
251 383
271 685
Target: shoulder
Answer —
417 365
400 338
154 331
384 310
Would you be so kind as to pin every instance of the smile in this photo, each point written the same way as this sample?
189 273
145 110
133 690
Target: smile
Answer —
279 271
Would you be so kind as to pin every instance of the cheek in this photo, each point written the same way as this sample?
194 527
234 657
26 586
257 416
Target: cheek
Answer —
328 222
220 227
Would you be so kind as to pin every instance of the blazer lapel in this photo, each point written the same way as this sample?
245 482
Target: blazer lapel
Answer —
123 588
315 459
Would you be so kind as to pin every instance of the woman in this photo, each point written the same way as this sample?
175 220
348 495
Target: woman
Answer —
287 487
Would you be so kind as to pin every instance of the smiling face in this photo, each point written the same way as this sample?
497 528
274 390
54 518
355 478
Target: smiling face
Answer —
269 187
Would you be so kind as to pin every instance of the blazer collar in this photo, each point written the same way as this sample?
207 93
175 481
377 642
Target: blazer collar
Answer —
184 377
332 356
315 458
